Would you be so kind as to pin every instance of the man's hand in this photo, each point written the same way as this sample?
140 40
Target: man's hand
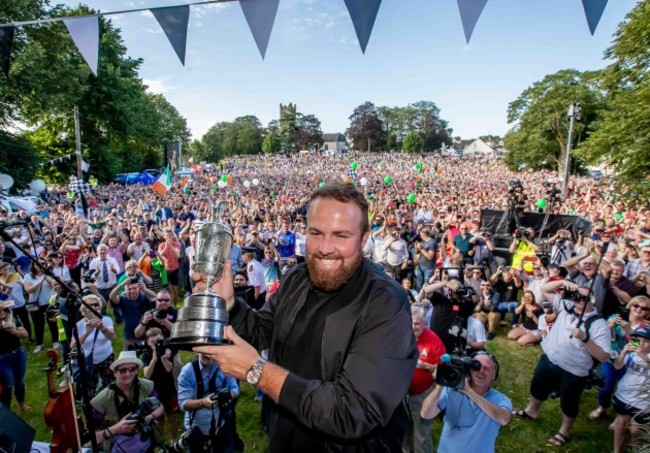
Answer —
123 426
234 359
223 287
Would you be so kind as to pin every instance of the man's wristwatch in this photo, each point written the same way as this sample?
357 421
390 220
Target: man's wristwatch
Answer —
254 374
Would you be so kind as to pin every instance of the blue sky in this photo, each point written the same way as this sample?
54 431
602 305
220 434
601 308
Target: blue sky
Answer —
417 51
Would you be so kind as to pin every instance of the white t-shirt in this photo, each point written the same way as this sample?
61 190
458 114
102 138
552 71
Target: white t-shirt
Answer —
256 275
42 294
568 353
103 347
633 387
475 331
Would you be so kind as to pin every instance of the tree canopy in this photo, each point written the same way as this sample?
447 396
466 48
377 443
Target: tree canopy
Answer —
621 134
123 126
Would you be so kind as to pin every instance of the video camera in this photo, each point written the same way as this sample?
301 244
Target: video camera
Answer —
146 407
452 371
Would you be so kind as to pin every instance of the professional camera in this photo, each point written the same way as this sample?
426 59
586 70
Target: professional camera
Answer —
159 313
465 293
188 438
453 369
224 398
521 232
146 407
140 347
515 186
160 348
573 296
89 277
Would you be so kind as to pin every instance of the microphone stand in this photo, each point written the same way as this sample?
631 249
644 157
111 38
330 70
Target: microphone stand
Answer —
72 297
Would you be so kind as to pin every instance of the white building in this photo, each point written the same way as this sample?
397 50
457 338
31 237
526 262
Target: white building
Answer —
479 148
334 143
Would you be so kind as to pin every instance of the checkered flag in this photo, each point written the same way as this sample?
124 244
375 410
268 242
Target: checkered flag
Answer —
79 186
352 174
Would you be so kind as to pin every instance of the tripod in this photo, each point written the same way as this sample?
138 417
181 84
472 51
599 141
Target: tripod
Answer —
506 219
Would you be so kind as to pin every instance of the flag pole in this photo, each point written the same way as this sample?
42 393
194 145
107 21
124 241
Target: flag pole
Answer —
77 134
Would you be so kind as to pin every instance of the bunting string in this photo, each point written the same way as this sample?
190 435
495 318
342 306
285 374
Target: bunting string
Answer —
58 159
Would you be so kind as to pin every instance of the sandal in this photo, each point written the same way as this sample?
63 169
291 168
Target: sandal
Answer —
559 440
521 413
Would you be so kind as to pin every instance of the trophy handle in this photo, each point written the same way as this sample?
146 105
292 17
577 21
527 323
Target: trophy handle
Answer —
218 209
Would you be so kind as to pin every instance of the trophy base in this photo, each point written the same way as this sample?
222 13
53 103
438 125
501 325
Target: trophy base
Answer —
188 343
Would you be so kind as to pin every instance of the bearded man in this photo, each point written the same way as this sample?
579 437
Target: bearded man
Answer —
342 352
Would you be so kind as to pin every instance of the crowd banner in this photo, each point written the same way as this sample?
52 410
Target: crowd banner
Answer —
260 15
363 14
593 11
85 34
173 20
470 11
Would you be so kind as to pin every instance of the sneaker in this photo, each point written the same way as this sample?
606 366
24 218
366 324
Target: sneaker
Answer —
503 323
38 349
490 336
56 345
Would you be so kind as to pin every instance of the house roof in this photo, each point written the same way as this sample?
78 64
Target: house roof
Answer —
337 137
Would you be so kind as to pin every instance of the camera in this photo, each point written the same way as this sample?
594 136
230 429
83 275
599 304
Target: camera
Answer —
452 371
146 407
574 296
188 438
224 398
520 232
485 231
89 277
134 280
159 313
160 348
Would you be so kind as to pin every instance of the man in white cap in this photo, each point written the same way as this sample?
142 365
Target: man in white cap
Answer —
113 404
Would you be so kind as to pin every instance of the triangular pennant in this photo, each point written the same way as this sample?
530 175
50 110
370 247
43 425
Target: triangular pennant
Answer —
173 20
363 14
470 11
6 42
594 11
260 15
85 34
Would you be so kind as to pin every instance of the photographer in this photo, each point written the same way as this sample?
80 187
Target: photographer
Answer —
562 248
426 250
522 246
473 414
417 436
487 309
162 316
482 251
133 303
579 335
113 405
206 395
158 368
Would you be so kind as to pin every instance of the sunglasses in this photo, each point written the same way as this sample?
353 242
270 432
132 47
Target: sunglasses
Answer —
129 369
94 305
641 307
163 300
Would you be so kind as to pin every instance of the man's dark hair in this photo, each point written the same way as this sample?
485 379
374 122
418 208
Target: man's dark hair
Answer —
242 273
345 193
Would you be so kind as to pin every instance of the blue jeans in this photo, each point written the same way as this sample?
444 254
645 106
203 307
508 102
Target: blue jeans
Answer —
508 307
611 376
12 375
422 276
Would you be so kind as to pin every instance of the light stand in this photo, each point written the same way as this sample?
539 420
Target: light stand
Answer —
573 114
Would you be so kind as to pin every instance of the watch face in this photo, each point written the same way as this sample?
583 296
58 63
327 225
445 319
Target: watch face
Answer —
253 375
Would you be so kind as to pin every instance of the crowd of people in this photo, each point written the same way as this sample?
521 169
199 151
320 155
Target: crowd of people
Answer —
315 239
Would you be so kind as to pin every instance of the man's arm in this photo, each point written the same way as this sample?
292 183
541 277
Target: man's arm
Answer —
430 404
496 413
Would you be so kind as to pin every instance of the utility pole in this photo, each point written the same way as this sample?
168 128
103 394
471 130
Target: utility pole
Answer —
573 114
77 135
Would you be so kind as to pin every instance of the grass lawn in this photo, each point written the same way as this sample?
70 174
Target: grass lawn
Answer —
517 365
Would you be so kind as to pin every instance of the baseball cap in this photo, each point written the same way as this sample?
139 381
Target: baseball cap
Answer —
642 331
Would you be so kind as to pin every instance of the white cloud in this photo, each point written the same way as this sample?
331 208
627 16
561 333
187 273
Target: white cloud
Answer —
158 86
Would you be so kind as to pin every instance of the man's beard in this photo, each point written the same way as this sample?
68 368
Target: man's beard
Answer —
331 279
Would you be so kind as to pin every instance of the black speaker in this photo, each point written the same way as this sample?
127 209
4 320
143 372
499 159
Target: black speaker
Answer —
16 436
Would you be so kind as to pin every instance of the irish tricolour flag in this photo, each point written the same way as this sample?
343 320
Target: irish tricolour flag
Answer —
164 182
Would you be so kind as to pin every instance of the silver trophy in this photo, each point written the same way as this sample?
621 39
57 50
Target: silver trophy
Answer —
204 316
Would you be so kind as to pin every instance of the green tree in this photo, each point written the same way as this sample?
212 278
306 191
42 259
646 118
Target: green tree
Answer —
308 134
538 138
271 143
413 143
366 128
621 136
16 152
